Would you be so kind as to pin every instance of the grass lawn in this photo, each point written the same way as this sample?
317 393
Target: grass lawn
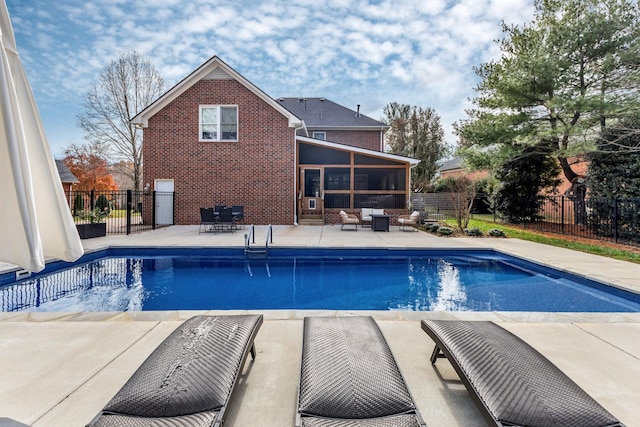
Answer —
583 245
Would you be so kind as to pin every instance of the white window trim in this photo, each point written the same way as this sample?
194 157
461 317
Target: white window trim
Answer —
219 124
323 133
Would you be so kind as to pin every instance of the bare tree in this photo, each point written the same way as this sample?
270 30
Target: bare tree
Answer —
462 192
125 87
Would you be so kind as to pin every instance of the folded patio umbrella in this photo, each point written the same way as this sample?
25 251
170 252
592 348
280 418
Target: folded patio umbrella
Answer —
35 221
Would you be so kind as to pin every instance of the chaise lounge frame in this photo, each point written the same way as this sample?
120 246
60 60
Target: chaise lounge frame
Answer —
189 378
511 383
349 376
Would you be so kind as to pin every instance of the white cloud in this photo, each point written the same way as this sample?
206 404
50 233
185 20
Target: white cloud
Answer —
416 52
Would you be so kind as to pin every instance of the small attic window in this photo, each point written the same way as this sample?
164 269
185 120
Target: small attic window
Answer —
320 135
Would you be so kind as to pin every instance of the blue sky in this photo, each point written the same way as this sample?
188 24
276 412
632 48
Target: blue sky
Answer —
417 52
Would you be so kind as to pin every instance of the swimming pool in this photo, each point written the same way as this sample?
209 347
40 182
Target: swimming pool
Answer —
334 279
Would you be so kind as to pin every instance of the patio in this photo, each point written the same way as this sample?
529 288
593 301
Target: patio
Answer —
66 366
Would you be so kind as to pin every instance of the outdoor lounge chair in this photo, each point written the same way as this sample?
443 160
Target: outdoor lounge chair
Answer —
349 377
511 383
207 220
408 220
349 219
189 379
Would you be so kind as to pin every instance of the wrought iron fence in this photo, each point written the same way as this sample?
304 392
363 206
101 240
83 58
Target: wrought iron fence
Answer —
614 220
124 211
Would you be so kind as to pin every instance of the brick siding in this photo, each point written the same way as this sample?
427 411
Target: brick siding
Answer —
257 171
369 140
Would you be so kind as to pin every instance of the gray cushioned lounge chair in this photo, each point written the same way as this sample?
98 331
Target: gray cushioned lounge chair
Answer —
512 383
349 377
189 379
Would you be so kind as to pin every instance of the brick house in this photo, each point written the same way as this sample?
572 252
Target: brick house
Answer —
215 138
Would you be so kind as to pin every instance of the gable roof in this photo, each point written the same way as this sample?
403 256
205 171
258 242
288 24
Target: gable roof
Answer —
451 165
382 155
66 176
214 69
322 113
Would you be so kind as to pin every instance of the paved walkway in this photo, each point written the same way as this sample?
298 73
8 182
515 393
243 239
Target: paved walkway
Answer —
59 369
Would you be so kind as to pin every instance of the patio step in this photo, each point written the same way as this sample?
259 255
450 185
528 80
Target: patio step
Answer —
315 220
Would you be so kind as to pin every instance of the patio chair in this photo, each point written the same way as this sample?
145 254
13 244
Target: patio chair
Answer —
408 220
350 377
511 383
218 208
238 213
349 219
189 378
226 219
207 220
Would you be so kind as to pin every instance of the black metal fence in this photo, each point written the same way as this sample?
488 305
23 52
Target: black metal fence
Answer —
613 220
124 211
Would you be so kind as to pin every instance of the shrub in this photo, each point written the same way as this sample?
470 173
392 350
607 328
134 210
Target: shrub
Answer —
445 231
474 232
103 204
496 232
433 227
78 204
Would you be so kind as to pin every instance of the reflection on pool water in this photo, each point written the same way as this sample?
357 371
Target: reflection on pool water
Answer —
418 280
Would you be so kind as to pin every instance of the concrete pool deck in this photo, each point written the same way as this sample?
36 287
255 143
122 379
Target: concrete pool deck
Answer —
59 369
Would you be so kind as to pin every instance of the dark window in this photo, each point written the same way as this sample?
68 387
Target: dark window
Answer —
315 155
337 179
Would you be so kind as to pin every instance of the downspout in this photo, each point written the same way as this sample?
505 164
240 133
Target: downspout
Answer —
300 125
382 140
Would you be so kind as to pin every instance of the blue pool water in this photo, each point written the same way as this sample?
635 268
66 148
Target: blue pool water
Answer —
214 279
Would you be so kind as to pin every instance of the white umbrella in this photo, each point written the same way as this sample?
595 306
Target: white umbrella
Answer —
35 221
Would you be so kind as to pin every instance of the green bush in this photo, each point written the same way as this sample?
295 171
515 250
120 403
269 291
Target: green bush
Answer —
103 204
445 231
496 232
433 227
474 232
78 204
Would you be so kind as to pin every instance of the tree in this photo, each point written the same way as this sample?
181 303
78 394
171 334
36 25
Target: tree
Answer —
523 181
125 87
614 183
417 133
88 164
560 80
462 192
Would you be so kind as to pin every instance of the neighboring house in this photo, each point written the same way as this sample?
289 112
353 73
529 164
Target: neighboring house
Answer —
455 167
217 138
66 176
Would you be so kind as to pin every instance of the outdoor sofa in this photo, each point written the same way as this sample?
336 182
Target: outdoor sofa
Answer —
365 215
189 378
349 377
511 383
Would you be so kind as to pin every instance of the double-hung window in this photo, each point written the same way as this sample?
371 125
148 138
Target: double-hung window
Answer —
218 123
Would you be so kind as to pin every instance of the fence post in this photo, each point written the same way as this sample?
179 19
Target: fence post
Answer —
129 204
615 220
562 214
92 200
153 211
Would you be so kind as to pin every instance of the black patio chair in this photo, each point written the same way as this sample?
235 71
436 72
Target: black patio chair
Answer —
226 221
238 213
207 220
